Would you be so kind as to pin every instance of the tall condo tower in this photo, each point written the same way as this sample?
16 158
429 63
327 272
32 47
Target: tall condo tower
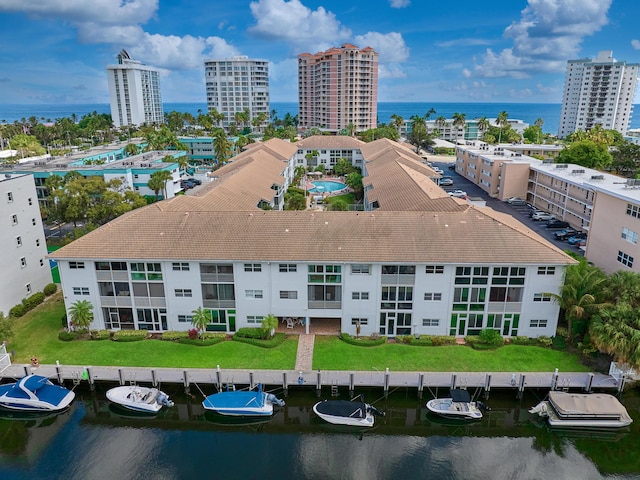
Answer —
598 91
134 92
238 84
337 88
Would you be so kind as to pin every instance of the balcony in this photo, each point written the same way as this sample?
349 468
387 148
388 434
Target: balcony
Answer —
212 303
324 304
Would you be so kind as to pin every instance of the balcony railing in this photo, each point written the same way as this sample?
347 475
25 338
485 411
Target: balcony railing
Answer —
324 304
218 303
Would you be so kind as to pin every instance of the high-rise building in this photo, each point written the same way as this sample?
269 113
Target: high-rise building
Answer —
598 91
337 88
238 84
134 92
25 268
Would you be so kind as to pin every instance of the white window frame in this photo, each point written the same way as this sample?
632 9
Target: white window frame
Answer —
430 322
254 294
183 292
289 294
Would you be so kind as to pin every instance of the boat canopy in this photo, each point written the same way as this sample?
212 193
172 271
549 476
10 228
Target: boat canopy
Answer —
588 404
343 408
460 395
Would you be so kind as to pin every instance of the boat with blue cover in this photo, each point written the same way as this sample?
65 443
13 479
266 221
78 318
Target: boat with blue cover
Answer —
243 403
35 393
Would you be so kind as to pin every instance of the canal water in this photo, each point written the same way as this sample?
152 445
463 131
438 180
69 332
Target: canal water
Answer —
95 440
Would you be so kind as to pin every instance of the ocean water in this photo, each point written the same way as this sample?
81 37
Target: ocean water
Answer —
527 112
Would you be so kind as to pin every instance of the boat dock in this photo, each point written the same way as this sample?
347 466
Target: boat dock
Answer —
319 379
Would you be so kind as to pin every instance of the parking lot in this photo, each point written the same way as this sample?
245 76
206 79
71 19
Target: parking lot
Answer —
521 213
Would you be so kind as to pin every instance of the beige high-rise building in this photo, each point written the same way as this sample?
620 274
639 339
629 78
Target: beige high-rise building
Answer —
337 88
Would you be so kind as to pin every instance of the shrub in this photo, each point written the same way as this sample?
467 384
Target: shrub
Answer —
33 301
50 289
129 335
489 336
17 311
544 341
423 341
207 340
249 332
559 342
272 342
67 336
562 332
439 340
173 335
100 334
193 333
64 321
521 340
363 341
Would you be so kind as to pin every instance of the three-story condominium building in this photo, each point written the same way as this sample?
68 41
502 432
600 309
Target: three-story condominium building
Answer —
134 92
598 91
238 84
415 261
25 269
338 88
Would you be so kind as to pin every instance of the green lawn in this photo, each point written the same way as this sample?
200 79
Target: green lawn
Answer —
331 353
37 334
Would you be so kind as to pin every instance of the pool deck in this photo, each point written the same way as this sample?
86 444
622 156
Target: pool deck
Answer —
342 191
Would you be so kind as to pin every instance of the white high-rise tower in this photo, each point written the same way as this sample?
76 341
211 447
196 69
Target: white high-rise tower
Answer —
598 91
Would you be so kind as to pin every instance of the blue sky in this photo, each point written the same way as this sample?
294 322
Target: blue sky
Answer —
56 51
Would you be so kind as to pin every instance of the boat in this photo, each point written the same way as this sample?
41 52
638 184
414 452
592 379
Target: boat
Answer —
35 393
139 399
583 410
354 413
242 403
458 406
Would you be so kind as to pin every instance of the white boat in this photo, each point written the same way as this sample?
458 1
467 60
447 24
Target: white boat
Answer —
242 403
35 393
458 405
344 412
140 399
583 410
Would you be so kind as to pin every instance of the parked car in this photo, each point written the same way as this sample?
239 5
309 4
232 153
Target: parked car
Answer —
437 170
458 193
540 216
452 166
557 224
577 238
193 180
565 233
446 181
533 211
516 201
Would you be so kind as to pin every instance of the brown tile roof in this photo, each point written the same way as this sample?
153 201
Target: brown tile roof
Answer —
319 142
469 236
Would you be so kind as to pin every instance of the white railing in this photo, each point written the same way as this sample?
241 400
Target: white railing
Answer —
5 359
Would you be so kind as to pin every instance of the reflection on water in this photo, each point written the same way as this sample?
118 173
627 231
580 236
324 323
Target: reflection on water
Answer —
92 440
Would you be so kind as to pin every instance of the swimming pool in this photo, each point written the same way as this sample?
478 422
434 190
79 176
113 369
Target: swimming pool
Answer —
326 186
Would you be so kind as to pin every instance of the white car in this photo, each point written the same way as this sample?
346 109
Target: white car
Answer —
458 193
437 170
446 181
540 216
516 201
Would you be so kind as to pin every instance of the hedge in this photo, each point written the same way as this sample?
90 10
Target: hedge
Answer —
422 341
68 336
50 289
249 332
173 335
363 341
33 301
17 311
272 342
209 339
100 334
129 335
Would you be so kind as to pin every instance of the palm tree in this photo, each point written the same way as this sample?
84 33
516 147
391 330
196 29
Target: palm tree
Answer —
502 121
222 147
200 318
397 121
483 125
183 163
429 113
616 332
440 122
81 314
539 123
158 182
269 325
459 120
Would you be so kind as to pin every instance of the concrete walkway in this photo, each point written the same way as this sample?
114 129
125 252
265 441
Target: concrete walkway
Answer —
304 357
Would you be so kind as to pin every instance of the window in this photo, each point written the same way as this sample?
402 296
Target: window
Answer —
14 219
81 290
19 241
630 236
541 297
180 266
288 267
288 294
360 269
183 292
361 321
253 294
434 269
430 322
76 265
541 323
254 318
325 274
185 318
23 262
252 267
633 210
625 259
430 297
28 287
546 270
146 271
360 295
9 197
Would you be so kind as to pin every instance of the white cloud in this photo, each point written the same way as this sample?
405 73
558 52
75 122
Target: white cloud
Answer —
548 33
635 44
399 3
390 46
465 42
292 22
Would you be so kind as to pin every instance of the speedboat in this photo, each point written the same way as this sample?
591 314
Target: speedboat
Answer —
243 403
583 410
140 399
458 405
35 393
344 412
